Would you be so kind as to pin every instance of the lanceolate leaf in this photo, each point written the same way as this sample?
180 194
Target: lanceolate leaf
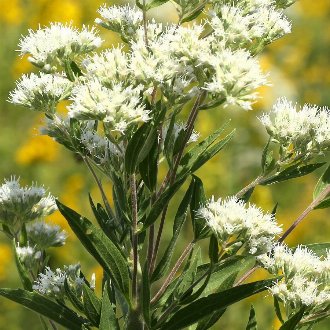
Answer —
214 302
292 322
179 220
100 247
323 182
320 249
92 305
324 204
25 279
46 307
252 323
108 317
156 3
292 172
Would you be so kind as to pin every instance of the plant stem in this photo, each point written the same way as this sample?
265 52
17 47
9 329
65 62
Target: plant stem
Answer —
145 24
170 177
246 275
52 324
134 237
176 267
251 185
303 215
99 184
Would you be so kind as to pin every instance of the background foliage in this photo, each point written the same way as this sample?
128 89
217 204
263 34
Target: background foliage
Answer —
299 67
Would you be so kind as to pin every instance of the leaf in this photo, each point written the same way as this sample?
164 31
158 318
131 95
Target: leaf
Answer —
194 13
139 146
291 323
146 294
252 323
198 200
179 220
46 307
278 310
323 182
76 302
160 203
213 249
267 160
108 318
292 172
324 204
149 167
92 305
190 314
156 3
100 247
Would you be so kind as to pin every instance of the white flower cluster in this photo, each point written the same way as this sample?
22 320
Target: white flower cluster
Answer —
306 129
57 44
117 105
121 19
45 235
22 204
41 92
306 277
248 23
232 219
51 283
28 256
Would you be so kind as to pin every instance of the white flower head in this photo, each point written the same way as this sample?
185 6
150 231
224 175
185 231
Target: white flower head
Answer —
233 218
236 77
23 204
121 19
45 235
307 129
41 92
58 43
117 105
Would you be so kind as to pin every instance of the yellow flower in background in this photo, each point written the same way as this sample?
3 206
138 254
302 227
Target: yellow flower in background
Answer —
11 12
6 257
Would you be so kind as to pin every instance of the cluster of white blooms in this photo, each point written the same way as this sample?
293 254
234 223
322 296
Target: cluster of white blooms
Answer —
117 105
178 129
22 204
233 219
121 19
41 92
45 235
28 256
248 23
236 77
51 283
306 129
58 43
306 277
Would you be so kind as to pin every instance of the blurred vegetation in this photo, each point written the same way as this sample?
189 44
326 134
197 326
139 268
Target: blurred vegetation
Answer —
299 67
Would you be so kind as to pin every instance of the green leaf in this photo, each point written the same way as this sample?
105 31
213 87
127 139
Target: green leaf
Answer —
292 172
179 220
252 323
291 323
149 167
139 146
23 274
323 205
213 249
194 13
146 294
100 247
156 3
92 305
198 200
190 314
76 302
160 203
46 307
108 318
278 309
267 160
323 182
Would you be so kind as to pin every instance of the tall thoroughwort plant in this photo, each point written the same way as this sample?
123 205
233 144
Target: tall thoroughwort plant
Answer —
132 109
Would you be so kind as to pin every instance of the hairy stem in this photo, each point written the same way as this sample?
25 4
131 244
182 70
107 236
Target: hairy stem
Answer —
134 237
176 267
251 185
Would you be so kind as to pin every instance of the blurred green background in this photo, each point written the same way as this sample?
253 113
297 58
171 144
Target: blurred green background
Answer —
299 67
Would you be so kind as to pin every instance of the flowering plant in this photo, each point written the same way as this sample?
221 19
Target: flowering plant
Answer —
124 119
